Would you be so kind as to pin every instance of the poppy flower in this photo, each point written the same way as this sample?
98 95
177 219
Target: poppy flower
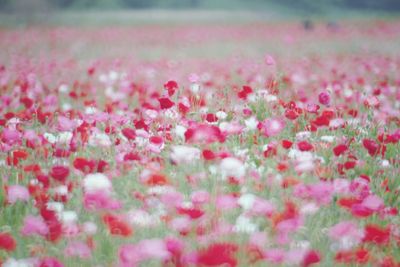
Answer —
312 257
7 242
246 90
171 87
59 173
218 254
376 234
117 226
129 133
165 103
272 127
339 149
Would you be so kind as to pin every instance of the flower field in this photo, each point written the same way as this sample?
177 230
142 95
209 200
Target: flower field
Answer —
249 144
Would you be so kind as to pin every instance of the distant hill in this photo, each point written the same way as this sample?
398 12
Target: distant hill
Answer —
303 6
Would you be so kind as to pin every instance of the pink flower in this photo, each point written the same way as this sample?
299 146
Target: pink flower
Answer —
200 197
275 256
269 60
133 255
34 225
181 224
345 229
262 207
100 200
373 202
11 136
65 124
204 133
17 192
77 249
225 202
272 127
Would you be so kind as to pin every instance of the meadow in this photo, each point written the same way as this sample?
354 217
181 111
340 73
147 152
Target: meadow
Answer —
234 143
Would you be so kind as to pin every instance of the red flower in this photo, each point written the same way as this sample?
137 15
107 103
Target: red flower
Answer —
291 114
193 213
310 258
246 90
129 133
59 173
7 242
360 256
321 121
20 154
304 146
117 226
340 149
171 86
55 230
157 179
218 254
270 151
287 144
376 234
165 103
131 156
208 154
84 165
371 146
210 117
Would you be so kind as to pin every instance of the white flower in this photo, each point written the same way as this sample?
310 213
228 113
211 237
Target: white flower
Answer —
303 135
64 137
246 201
195 88
232 167
300 155
270 98
221 115
11 262
55 206
99 139
309 208
160 189
113 75
328 138
63 88
66 106
89 228
251 123
90 110
180 131
51 138
141 218
184 154
61 190
244 224
95 182
385 163
68 217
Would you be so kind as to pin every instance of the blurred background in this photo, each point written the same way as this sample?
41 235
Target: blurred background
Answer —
23 12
